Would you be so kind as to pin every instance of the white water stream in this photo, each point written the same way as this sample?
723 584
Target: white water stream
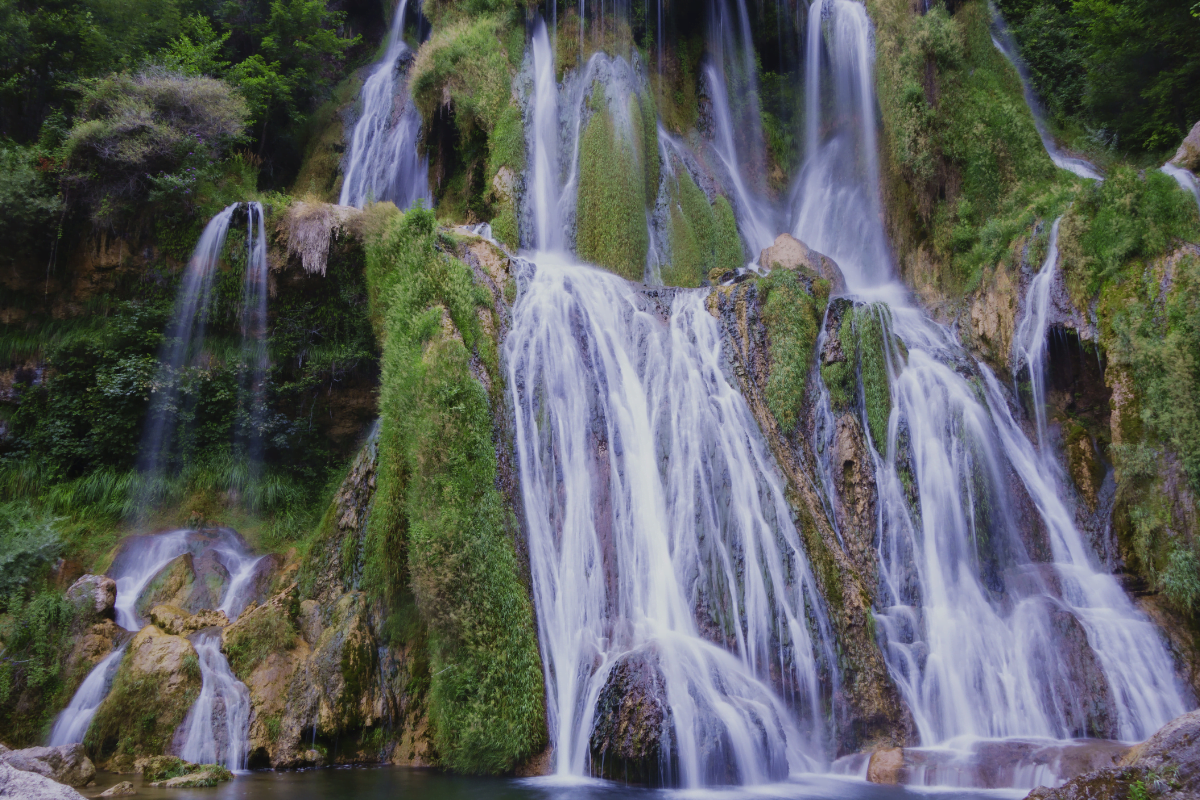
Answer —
1186 180
72 723
1004 42
382 160
982 640
253 394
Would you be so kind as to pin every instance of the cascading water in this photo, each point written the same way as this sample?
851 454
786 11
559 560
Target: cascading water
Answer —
836 199
181 345
1029 344
657 523
544 170
1004 42
1186 180
254 335
215 731
72 724
382 161
981 640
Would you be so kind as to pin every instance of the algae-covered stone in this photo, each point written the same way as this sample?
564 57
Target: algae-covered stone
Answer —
631 738
156 684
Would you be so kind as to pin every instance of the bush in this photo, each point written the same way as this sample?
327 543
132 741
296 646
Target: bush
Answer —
29 201
153 130
28 542
35 635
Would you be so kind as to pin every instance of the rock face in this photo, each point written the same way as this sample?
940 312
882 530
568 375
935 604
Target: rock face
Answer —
67 763
632 723
156 684
31 786
177 622
788 252
992 764
1167 765
93 596
867 707
1188 154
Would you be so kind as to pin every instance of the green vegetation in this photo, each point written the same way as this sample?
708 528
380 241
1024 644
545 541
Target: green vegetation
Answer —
439 524
611 209
792 308
35 632
1113 74
163 768
265 630
703 237
862 338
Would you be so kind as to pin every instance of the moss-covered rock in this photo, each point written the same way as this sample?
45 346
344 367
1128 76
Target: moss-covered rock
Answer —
156 684
610 212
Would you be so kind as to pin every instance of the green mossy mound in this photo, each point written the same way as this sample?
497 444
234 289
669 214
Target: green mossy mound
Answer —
704 237
610 212
793 306
862 342
439 526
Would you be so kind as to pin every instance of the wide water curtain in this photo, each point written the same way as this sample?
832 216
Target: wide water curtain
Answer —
663 556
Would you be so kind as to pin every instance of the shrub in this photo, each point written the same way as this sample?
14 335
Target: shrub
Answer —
149 130
29 202
28 541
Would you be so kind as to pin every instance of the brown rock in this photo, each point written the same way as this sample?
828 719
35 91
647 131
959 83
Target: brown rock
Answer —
789 252
1188 154
93 595
177 622
886 766
122 789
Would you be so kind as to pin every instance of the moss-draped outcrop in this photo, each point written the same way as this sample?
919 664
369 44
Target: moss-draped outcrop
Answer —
440 528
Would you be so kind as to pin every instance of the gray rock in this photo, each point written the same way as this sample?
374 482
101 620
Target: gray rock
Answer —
1188 154
630 738
31 786
66 763
93 595
122 789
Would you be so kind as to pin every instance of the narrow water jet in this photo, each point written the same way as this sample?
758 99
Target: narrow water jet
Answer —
215 730
544 169
658 530
382 160
1004 42
73 721
255 358
1186 180
1029 344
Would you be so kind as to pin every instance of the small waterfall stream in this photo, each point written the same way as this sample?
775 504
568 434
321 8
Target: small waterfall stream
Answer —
983 640
1004 42
1186 180
382 161
72 723
254 336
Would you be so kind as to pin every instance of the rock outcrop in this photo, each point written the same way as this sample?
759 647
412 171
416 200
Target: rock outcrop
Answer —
66 763
1166 766
788 252
177 622
1188 154
992 764
18 783
93 597
631 736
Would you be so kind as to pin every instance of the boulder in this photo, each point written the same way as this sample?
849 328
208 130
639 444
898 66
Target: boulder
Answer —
173 772
93 596
1188 154
66 763
32 786
122 789
991 764
632 722
172 586
789 252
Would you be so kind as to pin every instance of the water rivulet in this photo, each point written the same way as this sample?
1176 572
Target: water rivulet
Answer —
995 618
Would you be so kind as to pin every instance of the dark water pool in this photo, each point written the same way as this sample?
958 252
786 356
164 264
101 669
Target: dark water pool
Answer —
392 783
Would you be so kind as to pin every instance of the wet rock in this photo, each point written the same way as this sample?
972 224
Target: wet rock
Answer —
211 775
156 684
788 252
172 586
93 597
67 763
122 789
992 764
31 786
177 622
632 721
993 317
854 476
1188 154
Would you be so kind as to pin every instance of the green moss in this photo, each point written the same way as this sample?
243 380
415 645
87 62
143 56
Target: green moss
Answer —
265 630
610 212
468 62
839 377
728 252
869 321
792 315
651 158
141 712
438 523
505 228
163 768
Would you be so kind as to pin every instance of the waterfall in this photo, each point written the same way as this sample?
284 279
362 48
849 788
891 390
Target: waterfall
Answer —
72 724
382 162
836 198
1186 180
1029 344
254 336
216 728
1004 42
981 639
544 170
658 530
181 345
733 55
